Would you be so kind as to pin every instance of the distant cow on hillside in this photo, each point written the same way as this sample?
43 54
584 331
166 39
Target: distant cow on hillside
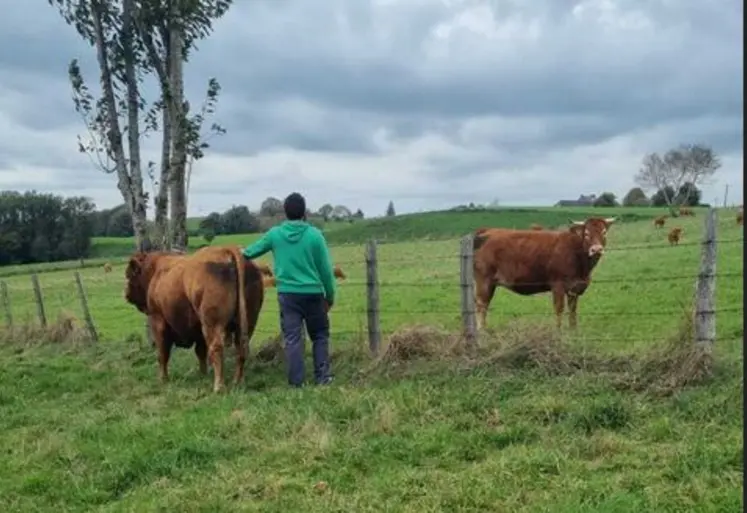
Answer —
107 268
686 211
674 236
337 271
530 262
740 215
659 221
536 227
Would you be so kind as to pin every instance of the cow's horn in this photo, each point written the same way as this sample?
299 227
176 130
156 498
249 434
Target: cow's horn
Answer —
610 220
576 223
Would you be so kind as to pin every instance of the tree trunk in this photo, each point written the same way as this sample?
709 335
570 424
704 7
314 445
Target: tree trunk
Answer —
162 199
129 182
178 135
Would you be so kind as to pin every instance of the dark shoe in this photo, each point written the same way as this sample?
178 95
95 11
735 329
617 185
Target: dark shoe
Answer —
326 381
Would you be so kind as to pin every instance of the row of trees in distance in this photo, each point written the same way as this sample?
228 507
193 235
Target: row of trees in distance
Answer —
37 227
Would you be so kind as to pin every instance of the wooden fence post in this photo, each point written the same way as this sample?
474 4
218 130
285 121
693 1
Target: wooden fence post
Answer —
372 298
705 289
86 312
5 298
39 300
467 284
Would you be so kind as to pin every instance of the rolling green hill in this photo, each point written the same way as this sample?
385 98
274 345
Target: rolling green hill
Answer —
419 226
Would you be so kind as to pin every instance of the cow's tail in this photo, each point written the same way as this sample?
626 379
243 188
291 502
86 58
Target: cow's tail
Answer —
478 238
238 258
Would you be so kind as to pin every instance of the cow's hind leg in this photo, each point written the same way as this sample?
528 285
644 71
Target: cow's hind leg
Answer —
484 292
201 352
163 344
558 301
241 353
215 337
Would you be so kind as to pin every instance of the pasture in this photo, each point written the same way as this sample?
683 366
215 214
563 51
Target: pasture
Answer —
89 428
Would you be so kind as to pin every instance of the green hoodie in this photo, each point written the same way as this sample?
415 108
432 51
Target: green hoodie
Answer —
302 262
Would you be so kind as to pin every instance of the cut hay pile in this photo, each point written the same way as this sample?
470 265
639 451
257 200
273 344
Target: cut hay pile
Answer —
66 329
675 365
420 342
663 370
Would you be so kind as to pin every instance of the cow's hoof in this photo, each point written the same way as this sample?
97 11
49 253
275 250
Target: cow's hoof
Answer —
218 389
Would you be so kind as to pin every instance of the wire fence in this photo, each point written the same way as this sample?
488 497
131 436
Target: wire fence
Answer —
384 293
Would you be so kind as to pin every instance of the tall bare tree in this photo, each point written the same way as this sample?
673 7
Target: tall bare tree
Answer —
169 30
688 165
108 28
134 38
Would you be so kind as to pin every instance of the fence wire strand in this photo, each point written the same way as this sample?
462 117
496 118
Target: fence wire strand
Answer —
109 305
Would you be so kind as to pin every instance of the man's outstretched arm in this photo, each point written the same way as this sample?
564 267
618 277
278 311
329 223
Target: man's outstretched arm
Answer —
259 248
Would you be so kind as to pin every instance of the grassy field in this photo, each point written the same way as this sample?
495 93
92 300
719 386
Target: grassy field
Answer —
422 226
90 429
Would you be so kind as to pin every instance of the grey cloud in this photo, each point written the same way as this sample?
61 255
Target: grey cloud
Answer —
324 77
550 79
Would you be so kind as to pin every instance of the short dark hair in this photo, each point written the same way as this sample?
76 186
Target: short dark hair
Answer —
295 207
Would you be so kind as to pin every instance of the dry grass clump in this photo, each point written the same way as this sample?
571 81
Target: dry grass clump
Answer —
271 351
532 346
541 348
66 329
420 342
675 365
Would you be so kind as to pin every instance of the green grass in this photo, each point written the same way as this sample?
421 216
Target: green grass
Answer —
450 224
424 226
90 429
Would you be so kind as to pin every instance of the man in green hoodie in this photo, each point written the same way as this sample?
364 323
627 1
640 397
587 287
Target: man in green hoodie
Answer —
306 287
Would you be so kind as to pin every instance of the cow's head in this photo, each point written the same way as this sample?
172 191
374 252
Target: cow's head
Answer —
137 281
593 232
264 269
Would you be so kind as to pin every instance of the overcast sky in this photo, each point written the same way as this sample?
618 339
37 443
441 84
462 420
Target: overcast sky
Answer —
429 103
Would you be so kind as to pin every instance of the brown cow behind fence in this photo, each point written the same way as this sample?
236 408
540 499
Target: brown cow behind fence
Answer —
530 262
674 236
687 212
338 273
659 221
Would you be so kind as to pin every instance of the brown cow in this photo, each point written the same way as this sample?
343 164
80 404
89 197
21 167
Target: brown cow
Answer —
338 273
268 278
530 262
535 226
197 299
264 269
674 236
107 268
659 221
740 216
685 211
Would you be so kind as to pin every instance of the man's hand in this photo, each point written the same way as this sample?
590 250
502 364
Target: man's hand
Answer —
327 306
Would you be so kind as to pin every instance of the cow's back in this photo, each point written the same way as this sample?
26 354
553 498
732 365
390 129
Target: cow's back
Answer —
527 261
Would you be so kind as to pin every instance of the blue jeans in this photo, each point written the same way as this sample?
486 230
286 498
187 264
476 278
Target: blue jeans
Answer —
295 311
